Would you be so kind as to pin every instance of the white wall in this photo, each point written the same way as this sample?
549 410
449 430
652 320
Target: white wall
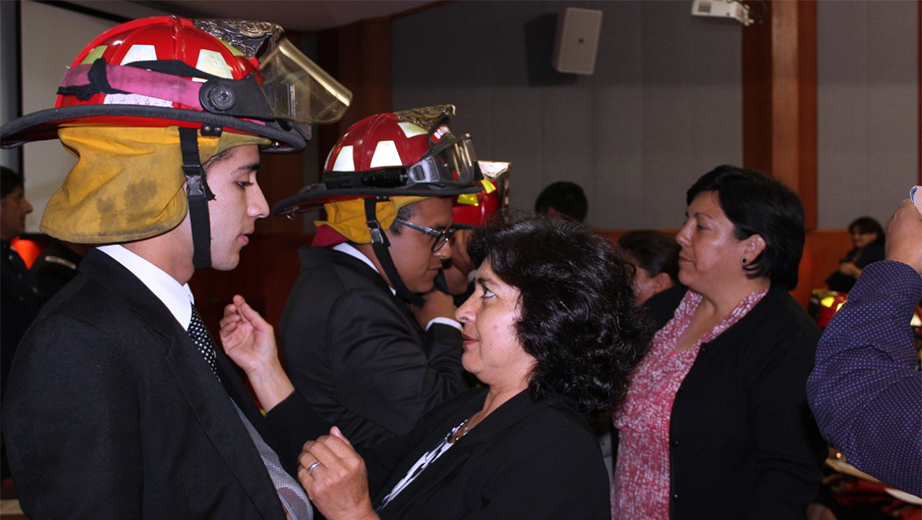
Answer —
51 38
44 60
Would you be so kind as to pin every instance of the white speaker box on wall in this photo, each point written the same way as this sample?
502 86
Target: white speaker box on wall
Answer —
577 40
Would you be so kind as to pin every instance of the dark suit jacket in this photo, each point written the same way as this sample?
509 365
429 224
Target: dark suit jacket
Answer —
356 353
529 460
111 412
743 443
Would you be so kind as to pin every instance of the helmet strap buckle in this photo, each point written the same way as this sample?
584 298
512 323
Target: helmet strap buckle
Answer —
198 194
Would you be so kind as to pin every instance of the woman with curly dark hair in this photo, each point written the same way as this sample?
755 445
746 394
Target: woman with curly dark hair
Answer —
552 332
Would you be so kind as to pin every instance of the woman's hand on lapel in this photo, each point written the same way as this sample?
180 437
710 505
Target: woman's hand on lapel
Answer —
338 485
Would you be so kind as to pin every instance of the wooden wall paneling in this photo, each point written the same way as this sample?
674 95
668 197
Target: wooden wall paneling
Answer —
280 176
779 98
268 269
358 55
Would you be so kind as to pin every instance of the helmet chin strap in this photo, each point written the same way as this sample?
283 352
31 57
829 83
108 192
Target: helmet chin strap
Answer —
380 245
199 194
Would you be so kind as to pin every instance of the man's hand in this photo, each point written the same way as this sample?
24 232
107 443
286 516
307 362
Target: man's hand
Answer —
904 236
437 305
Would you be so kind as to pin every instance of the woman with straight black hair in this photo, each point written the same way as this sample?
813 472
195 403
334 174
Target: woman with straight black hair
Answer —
716 423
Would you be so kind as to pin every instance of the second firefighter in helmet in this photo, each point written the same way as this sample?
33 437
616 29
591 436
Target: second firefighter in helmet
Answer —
362 328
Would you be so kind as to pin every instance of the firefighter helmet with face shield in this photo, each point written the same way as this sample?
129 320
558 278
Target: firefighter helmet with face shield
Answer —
185 90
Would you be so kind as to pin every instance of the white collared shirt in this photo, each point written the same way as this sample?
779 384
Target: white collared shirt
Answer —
177 298
349 249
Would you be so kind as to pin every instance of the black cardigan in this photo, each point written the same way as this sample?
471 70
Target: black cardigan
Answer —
743 443
528 460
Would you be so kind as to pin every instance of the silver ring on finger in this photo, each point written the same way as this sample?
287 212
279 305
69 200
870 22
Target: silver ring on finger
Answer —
312 467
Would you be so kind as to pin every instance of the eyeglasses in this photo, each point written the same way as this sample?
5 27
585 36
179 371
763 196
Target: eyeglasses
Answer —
441 237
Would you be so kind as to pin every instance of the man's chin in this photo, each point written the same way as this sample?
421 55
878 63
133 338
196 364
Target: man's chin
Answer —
422 287
225 264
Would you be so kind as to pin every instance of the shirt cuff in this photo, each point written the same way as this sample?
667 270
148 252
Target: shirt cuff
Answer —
445 321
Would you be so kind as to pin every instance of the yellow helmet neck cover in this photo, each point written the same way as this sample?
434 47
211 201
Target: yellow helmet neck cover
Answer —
128 183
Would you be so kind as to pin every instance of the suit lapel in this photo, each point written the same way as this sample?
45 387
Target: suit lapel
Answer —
217 417
207 398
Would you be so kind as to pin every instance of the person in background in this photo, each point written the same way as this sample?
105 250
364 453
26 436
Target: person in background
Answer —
21 296
365 338
469 212
563 199
868 247
655 255
716 422
551 331
866 389
118 405
56 266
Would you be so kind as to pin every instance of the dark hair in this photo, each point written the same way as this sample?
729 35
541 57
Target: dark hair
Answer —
655 251
9 181
566 197
757 204
867 225
404 213
578 317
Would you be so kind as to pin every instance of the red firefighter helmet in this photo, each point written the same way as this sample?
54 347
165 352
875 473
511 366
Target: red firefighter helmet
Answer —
476 209
206 77
409 153
170 71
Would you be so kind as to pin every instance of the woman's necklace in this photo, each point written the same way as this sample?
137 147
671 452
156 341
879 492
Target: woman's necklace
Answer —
463 429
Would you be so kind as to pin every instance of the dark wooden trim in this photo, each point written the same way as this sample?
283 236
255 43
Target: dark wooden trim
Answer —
82 9
779 98
807 158
359 56
431 5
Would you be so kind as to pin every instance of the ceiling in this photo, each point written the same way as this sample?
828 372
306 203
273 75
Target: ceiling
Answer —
300 16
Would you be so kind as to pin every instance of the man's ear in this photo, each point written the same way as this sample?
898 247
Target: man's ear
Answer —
661 282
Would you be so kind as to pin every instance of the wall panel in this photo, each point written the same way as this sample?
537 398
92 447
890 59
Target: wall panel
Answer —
662 108
868 108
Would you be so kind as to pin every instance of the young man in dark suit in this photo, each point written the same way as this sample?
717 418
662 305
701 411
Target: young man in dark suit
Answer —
120 406
367 341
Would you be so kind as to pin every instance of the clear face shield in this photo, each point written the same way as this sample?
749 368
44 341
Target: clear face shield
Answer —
298 90
294 88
